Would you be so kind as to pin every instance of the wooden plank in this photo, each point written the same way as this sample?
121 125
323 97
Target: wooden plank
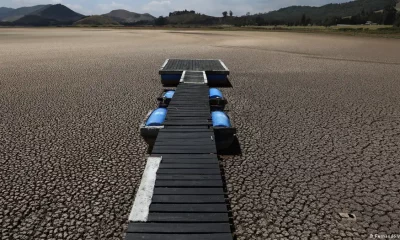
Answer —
196 141
187 191
180 123
186 111
190 171
189 131
188 183
183 141
188 120
194 116
186 107
197 144
188 198
186 129
188 114
216 207
181 133
184 151
190 160
189 236
187 177
188 166
191 156
188 217
179 228
173 137
185 145
208 148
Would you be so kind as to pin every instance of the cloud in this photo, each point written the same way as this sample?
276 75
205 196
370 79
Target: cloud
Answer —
78 8
75 7
34 2
160 7
107 7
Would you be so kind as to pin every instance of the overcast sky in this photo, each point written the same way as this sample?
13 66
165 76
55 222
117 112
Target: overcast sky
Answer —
163 7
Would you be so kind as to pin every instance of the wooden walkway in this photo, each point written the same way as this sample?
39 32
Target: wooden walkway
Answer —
188 201
177 66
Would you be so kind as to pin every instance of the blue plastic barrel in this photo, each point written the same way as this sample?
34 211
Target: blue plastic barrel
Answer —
157 117
220 119
169 94
215 93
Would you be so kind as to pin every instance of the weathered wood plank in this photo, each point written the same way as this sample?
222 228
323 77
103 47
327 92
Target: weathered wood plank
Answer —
188 183
188 217
190 171
216 207
188 198
187 177
188 166
188 236
179 227
187 191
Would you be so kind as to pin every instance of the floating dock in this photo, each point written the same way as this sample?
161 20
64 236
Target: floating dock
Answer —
181 195
172 70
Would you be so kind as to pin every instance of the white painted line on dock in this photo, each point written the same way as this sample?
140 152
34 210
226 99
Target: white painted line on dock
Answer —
205 77
183 77
140 209
223 64
165 64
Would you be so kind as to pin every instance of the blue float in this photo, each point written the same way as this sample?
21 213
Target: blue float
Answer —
215 93
169 94
220 119
157 117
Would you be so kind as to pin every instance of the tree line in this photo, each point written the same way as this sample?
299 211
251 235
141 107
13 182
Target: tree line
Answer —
388 16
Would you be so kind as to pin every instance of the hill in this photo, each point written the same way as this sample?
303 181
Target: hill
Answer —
97 21
59 13
124 16
193 18
34 20
319 14
18 13
4 11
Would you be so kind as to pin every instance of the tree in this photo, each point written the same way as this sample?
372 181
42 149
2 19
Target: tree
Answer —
308 21
397 21
225 14
329 21
389 15
230 13
260 21
161 21
303 20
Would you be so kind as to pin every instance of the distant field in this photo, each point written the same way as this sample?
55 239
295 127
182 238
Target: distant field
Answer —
359 30
384 31
362 30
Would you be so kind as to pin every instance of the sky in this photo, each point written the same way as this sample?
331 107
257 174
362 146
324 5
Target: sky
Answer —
163 7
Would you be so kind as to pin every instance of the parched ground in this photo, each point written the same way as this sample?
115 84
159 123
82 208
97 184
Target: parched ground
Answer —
318 120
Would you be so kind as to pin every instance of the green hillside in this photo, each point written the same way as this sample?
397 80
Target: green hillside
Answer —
59 13
319 14
18 13
4 11
193 18
34 20
123 16
97 21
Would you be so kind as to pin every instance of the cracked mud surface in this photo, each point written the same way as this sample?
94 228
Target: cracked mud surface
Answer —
318 119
